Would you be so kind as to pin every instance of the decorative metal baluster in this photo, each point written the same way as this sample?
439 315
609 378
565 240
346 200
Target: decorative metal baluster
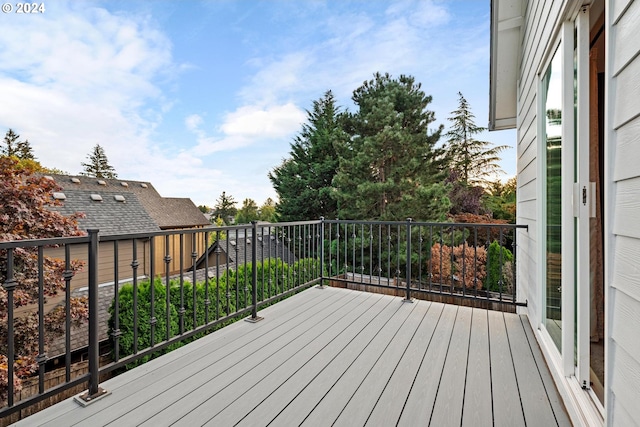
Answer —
408 267
67 275
116 333
379 253
338 249
194 257
245 292
41 358
134 266
152 274
475 261
167 281
398 272
207 298
354 265
9 286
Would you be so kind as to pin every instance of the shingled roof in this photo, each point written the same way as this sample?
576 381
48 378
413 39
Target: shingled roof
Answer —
111 213
165 212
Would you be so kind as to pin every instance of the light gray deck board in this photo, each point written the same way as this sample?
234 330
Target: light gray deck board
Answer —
477 396
337 355
243 394
215 379
555 400
322 369
371 378
155 377
535 404
447 409
388 408
419 404
356 360
253 396
507 410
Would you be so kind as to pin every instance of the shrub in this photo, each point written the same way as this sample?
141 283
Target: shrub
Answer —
461 265
499 260
227 294
126 342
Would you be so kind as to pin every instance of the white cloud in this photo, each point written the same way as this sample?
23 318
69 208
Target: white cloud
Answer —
193 122
248 125
272 122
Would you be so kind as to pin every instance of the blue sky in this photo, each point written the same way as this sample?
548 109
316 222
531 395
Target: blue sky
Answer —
200 97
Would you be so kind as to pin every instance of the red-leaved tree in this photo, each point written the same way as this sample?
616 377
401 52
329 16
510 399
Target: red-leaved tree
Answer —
25 213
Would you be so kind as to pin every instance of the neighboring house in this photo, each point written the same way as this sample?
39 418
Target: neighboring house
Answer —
118 207
237 251
133 207
566 75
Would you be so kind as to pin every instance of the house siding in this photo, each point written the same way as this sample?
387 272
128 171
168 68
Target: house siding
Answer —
539 25
174 252
623 273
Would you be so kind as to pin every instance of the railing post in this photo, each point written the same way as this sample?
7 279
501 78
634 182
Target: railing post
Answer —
254 274
408 267
321 286
94 390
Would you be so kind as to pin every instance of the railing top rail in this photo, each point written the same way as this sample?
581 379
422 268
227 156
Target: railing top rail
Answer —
54 241
426 223
147 235
291 223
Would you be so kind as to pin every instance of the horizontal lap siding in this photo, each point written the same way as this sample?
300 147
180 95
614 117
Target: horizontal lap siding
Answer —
538 30
623 361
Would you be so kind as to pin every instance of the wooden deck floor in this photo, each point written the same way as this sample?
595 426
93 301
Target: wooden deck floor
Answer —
339 357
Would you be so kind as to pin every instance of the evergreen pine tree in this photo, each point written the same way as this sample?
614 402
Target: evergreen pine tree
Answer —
98 166
474 160
389 166
303 182
12 147
225 208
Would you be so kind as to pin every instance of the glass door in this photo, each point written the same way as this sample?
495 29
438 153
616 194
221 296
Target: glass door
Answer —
552 102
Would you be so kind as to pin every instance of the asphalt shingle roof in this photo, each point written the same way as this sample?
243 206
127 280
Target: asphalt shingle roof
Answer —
108 215
166 212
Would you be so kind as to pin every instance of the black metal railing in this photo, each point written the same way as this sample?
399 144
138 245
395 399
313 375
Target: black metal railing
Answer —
161 289
465 261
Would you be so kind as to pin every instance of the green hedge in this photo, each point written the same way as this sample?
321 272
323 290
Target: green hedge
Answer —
227 295
497 258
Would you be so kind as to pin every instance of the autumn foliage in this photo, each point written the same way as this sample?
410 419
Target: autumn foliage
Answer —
25 214
458 266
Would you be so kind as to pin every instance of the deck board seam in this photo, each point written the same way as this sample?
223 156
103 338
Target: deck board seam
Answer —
493 413
466 370
515 373
435 400
415 377
539 373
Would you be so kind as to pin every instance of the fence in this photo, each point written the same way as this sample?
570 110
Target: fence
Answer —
241 269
